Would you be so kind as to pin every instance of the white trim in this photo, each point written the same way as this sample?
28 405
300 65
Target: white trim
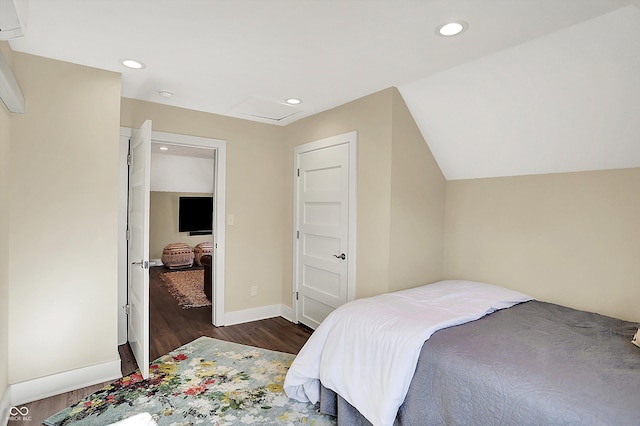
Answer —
123 180
5 406
353 213
256 314
351 139
218 315
55 384
287 313
10 92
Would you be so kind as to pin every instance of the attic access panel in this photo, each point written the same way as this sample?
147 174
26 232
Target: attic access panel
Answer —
257 107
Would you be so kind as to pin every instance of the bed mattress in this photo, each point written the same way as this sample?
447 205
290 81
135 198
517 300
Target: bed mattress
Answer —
533 363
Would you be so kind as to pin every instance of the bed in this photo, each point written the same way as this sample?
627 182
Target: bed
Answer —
512 360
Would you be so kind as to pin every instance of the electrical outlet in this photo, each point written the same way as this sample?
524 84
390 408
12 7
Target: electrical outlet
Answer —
254 290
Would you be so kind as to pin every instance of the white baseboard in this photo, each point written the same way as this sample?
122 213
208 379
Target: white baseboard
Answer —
255 314
55 384
5 406
287 313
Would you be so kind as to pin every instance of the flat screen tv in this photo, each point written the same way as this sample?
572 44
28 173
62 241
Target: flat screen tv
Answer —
195 215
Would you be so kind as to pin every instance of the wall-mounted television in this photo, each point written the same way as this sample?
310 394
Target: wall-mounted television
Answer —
195 215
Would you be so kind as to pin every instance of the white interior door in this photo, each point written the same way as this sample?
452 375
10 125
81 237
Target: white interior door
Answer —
138 245
324 242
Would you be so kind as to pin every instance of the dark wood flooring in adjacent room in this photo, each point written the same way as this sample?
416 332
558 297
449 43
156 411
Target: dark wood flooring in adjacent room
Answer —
171 327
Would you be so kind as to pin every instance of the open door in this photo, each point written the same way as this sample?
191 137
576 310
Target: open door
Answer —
138 245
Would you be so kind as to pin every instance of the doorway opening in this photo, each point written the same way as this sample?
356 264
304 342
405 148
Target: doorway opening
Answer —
215 149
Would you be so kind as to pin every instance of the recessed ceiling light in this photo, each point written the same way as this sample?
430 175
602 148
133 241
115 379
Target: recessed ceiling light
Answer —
293 101
133 64
164 148
452 28
165 93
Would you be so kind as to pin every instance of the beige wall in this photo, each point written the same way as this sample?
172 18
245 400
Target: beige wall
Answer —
63 198
255 170
371 118
567 238
4 237
417 205
260 194
398 207
571 239
163 222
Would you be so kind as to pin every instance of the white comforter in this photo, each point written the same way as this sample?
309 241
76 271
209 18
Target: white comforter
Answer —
367 350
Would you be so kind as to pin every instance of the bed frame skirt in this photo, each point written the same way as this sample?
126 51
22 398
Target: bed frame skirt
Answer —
334 405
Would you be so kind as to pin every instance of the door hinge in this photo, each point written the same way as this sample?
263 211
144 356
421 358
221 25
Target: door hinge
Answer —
298 172
297 235
127 309
128 159
144 264
128 234
295 293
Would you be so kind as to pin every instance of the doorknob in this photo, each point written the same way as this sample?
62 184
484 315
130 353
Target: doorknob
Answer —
340 256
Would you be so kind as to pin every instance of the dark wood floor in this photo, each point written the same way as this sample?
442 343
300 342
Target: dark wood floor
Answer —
171 327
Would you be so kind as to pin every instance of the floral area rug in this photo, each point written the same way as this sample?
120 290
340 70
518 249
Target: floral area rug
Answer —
187 287
208 382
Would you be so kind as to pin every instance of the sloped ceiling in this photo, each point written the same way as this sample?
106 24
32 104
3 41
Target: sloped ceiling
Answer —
533 86
568 101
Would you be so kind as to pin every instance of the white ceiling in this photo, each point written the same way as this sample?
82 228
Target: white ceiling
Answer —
533 86
565 102
182 150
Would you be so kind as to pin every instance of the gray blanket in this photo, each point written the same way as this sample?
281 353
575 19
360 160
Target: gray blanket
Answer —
534 363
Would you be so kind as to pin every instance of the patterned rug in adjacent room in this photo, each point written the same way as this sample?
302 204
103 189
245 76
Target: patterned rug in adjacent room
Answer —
187 287
207 381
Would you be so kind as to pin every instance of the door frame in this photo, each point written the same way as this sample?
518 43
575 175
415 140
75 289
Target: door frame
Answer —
220 172
351 139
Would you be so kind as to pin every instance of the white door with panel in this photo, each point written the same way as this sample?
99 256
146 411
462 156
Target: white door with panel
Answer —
323 240
138 245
